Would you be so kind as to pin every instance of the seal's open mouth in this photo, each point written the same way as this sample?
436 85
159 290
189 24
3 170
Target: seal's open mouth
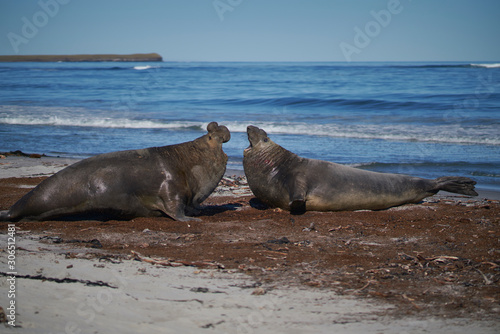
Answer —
253 134
249 147
250 134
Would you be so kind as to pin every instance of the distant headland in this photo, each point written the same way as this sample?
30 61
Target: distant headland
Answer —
84 58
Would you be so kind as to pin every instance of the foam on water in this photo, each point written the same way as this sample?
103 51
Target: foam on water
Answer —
452 133
486 134
398 132
486 65
145 67
122 123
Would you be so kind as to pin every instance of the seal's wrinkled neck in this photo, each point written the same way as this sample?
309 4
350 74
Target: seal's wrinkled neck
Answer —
270 155
264 151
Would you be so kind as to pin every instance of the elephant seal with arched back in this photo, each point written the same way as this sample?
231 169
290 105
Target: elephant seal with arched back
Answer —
282 179
170 180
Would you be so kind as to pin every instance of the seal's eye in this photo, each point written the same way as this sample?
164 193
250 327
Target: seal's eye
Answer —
266 140
209 137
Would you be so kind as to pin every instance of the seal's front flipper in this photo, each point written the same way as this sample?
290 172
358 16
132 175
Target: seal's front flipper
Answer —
297 193
298 207
189 211
180 214
187 219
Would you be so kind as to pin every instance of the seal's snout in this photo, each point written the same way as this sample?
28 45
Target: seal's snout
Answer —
251 128
220 131
251 134
226 135
255 135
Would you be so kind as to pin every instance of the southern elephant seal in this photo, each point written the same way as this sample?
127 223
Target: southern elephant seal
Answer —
170 180
282 179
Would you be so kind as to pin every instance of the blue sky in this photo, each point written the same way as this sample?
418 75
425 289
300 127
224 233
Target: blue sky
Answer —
256 30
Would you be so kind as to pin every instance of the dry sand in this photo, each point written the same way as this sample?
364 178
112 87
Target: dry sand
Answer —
427 268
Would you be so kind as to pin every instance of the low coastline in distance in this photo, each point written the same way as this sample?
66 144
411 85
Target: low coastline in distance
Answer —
137 57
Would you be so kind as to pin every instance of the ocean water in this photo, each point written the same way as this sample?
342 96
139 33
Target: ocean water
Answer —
422 119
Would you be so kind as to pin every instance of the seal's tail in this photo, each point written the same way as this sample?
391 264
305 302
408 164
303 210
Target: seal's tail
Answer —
456 184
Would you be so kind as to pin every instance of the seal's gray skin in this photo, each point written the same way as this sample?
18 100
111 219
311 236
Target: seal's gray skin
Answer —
282 179
170 180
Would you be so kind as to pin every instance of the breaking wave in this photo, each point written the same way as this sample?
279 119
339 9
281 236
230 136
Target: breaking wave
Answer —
123 123
146 67
448 133
395 132
486 65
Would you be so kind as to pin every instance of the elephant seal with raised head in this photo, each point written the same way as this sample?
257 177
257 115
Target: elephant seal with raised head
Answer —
282 179
170 180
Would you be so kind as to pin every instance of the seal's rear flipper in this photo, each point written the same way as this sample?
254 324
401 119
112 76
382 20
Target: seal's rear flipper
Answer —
456 184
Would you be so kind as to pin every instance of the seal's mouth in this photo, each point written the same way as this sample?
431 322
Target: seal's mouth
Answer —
255 137
254 134
251 134
249 148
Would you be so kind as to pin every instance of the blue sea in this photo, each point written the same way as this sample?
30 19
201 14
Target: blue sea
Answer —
422 119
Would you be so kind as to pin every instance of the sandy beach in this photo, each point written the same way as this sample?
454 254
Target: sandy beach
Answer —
433 267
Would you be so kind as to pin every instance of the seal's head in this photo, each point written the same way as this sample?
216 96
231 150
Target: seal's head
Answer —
257 137
217 134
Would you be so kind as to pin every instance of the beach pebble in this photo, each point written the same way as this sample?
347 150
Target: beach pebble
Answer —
259 291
